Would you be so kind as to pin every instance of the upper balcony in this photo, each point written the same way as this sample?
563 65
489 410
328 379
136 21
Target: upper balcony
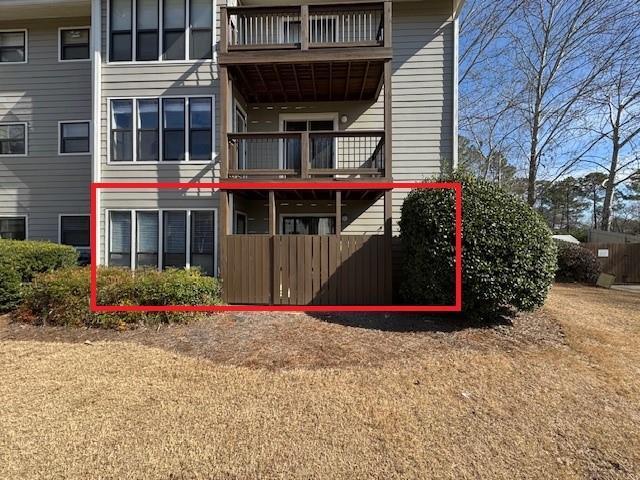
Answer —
313 33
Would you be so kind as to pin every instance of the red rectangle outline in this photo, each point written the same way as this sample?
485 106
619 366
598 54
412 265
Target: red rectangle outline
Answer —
456 186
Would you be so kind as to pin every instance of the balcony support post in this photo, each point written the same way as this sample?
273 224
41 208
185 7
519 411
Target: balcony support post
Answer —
304 154
388 245
224 35
304 27
272 212
225 92
388 11
388 120
338 212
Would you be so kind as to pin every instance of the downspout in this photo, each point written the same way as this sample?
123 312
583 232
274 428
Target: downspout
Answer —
456 32
96 98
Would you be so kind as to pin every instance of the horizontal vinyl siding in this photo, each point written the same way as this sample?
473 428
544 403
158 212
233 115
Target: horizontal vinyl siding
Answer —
152 200
43 92
159 79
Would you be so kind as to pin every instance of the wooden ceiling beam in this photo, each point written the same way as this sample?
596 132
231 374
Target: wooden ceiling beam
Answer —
284 90
313 78
364 80
295 76
264 84
346 82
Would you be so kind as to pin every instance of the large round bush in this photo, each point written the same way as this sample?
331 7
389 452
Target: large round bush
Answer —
509 257
576 264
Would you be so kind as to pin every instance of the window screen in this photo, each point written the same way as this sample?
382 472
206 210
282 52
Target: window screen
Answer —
12 47
74 44
148 132
147 30
200 129
74 230
13 139
174 30
200 44
74 137
173 129
147 241
13 228
120 239
202 241
121 130
121 25
175 239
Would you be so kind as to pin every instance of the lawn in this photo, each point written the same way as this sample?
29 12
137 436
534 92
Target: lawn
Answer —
556 395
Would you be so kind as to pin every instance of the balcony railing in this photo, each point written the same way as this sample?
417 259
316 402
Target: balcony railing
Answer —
306 27
357 153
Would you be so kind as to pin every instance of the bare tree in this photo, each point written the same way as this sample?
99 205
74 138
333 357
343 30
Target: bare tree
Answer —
618 101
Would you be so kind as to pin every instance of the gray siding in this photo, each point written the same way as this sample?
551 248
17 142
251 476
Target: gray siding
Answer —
154 79
43 92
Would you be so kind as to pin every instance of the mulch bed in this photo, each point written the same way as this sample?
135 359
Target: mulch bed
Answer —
277 340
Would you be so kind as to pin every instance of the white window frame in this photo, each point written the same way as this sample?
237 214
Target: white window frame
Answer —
73 154
79 249
297 215
134 28
62 29
309 117
26 44
160 212
26 140
160 160
235 223
26 223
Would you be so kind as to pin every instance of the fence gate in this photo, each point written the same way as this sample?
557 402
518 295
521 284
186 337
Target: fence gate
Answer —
308 269
621 260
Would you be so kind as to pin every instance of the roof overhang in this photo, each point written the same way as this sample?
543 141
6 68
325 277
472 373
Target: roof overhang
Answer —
25 9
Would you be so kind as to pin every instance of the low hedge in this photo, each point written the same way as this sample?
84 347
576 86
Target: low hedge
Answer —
62 297
509 257
576 264
20 260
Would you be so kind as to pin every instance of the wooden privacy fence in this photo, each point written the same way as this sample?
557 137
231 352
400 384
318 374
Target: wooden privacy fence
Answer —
622 260
307 269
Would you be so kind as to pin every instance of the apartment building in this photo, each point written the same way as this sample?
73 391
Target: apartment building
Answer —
190 91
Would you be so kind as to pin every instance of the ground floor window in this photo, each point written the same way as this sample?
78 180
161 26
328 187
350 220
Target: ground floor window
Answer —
13 228
308 225
162 239
75 231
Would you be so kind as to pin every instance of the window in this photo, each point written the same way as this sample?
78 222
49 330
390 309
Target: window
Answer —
309 225
13 46
147 239
74 44
175 239
169 238
74 231
173 129
200 129
13 228
13 139
202 238
147 30
121 25
166 129
183 28
120 239
201 41
174 30
240 227
74 138
121 130
148 133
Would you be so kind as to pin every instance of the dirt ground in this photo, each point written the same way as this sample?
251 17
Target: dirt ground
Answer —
555 395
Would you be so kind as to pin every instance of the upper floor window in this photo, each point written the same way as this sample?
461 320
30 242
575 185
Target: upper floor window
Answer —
74 44
167 129
13 228
74 138
13 46
13 139
152 30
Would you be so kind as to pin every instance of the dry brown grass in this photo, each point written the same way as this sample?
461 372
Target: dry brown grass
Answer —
520 402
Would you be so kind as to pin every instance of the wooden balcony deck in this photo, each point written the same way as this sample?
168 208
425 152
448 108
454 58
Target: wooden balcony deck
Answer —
340 155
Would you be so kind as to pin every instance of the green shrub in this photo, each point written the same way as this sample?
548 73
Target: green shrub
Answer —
509 258
576 264
62 297
21 260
